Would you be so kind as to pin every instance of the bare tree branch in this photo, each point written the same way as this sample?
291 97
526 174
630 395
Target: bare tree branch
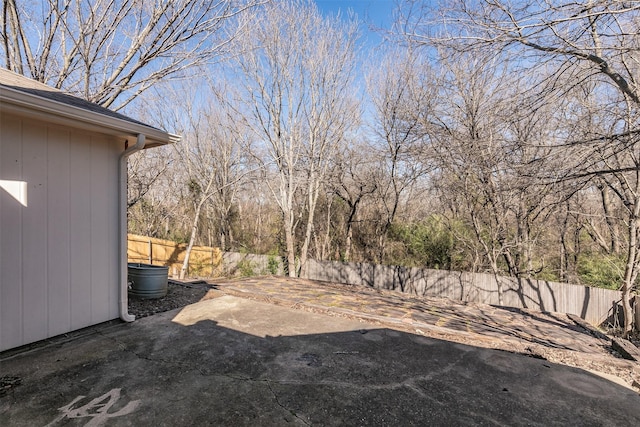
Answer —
110 51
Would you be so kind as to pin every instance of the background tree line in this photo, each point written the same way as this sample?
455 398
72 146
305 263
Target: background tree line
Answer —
483 136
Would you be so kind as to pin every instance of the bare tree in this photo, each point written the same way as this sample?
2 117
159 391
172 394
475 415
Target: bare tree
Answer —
353 181
109 52
210 165
144 170
297 77
402 94
488 147
153 209
595 41
217 165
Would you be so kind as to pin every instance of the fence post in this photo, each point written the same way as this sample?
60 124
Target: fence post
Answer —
150 252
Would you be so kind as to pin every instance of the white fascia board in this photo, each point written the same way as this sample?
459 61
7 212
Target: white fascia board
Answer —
23 103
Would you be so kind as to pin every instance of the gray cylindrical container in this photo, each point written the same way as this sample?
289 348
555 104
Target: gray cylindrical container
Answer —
147 281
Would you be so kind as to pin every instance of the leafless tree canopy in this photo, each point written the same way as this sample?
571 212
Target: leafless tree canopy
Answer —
296 77
595 37
110 51
485 135
581 57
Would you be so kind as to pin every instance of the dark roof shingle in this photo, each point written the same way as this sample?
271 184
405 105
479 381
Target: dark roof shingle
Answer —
15 81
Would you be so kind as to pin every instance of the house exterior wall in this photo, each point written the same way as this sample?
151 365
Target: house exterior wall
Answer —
59 254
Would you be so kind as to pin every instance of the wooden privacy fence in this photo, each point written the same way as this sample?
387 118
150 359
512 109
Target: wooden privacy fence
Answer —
203 261
595 305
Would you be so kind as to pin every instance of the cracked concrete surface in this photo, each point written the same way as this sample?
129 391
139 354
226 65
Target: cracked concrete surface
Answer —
233 361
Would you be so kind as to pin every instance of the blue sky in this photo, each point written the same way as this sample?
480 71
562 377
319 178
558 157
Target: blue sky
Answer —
373 13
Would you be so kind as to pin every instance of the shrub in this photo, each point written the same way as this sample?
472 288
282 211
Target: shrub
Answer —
424 244
273 265
246 268
603 271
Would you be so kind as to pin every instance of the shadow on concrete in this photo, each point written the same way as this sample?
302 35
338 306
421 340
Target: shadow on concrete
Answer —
232 361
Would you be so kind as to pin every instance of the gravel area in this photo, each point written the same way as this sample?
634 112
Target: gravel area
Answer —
7 383
178 295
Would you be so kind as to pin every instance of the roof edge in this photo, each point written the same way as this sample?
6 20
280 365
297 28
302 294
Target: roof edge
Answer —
70 115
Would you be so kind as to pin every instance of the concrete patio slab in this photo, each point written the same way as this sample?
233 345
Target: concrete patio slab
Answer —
234 361
556 337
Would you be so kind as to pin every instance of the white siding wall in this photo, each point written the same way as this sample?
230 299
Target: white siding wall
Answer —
59 254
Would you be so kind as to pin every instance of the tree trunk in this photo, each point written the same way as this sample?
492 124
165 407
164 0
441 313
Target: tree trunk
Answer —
290 244
325 253
349 243
608 216
194 227
311 204
192 239
630 274
496 276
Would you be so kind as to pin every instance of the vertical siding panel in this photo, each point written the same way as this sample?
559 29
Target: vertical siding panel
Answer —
104 220
34 233
10 236
113 260
99 293
59 255
58 233
80 179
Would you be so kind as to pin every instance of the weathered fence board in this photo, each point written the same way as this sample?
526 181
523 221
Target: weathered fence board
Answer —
203 261
595 305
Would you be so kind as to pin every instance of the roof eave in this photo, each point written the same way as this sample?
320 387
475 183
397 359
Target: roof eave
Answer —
12 100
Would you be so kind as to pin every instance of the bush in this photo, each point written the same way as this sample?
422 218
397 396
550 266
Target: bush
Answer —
246 268
273 265
427 244
603 271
